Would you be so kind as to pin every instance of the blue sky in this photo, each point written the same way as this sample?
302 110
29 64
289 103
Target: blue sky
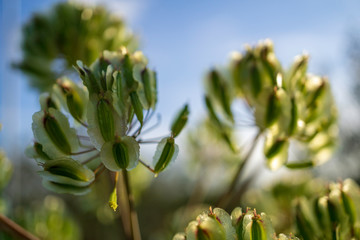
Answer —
183 39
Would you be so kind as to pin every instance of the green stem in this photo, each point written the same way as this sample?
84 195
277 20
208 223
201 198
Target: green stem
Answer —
15 230
223 200
134 223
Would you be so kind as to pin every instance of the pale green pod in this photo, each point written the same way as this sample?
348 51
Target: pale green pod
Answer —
65 188
206 228
67 176
179 236
120 95
138 108
74 97
146 89
126 70
52 130
276 151
166 152
88 78
286 237
180 121
305 220
49 101
36 151
123 153
104 122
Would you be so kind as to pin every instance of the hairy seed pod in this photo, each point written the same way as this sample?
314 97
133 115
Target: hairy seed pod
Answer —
105 120
56 134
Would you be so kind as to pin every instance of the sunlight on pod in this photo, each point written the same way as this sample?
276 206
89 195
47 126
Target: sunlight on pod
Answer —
66 175
179 236
74 97
36 151
166 152
211 225
52 130
250 225
104 122
122 153
276 151
180 121
285 237
48 100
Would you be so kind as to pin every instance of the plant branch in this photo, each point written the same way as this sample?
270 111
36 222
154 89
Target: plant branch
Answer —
147 166
15 230
134 223
225 197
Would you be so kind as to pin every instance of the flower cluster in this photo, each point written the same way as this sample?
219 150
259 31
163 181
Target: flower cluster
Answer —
286 105
115 103
217 224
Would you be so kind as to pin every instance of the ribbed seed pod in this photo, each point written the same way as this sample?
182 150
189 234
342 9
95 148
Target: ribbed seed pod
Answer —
180 121
105 119
166 152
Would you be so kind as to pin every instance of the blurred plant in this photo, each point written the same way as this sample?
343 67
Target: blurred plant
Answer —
287 106
334 215
217 224
53 42
115 104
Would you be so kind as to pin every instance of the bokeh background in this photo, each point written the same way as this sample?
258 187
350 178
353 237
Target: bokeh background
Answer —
182 40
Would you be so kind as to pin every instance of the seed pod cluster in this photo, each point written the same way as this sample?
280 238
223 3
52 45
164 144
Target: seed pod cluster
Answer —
116 100
287 105
217 224
70 31
330 216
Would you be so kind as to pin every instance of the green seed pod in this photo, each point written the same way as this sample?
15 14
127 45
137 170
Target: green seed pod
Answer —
273 109
105 119
123 153
166 152
285 237
276 151
149 82
65 173
255 78
138 108
180 121
48 101
39 151
127 72
88 78
52 130
220 92
179 236
56 134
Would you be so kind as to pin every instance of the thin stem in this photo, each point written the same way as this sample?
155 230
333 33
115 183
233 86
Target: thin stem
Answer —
135 229
153 139
85 151
15 230
82 123
147 166
83 137
225 197
91 158
145 142
158 121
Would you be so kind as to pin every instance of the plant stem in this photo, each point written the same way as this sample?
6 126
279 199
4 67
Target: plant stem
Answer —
134 223
15 230
225 197
147 166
